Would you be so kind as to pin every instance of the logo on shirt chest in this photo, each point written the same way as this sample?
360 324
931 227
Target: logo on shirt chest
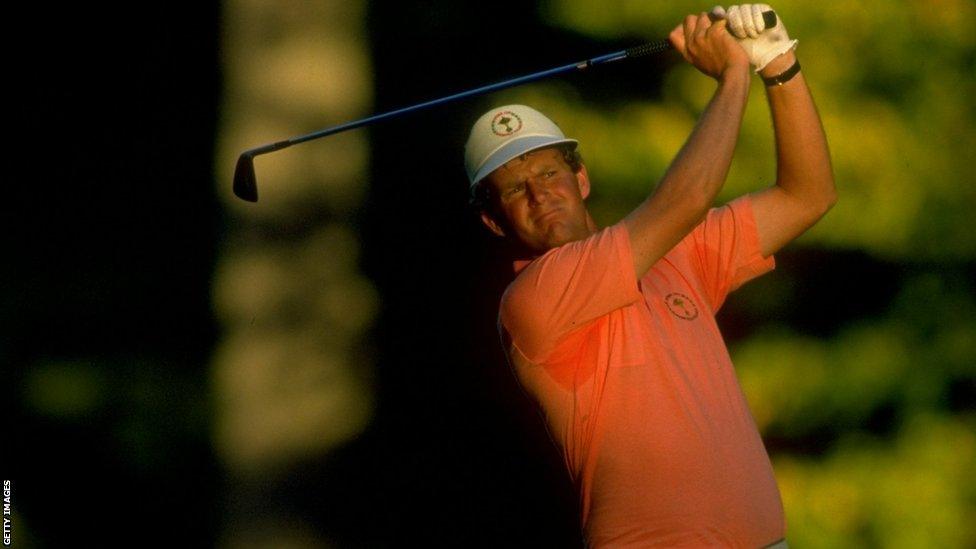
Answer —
681 306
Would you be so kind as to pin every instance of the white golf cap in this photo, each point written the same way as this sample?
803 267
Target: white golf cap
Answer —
504 133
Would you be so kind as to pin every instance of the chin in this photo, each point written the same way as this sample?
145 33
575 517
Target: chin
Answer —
560 238
555 237
539 247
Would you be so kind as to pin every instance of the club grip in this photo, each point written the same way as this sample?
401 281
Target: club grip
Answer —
649 49
769 19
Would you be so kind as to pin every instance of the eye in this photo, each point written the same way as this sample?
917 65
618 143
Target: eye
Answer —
514 189
550 173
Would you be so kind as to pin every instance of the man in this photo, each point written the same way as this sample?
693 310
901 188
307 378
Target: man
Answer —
612 331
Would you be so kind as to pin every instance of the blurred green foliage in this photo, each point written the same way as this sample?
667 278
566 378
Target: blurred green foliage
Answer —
894 84
870 426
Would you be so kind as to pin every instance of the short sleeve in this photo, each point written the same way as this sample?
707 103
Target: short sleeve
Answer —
567 288
725 249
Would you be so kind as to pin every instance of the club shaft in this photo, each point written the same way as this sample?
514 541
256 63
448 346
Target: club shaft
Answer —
245 181
646 49
582 65
462 95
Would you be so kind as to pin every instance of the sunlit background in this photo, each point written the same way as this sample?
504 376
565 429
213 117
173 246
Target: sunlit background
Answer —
321 369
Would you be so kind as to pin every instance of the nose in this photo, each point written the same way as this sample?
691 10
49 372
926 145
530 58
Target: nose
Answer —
538 191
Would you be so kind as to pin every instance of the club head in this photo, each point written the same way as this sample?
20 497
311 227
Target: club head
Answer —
245 183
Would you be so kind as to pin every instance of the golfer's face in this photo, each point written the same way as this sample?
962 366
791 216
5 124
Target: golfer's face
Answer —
542 199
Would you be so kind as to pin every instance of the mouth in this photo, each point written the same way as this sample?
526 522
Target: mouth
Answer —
547 216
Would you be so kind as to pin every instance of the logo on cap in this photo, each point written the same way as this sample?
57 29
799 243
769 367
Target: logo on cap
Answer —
506 123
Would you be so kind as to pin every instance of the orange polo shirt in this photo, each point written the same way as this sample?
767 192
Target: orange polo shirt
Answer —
638 389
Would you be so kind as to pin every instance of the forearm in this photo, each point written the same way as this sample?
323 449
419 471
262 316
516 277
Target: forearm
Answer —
803 167
804 189
701 166
694 178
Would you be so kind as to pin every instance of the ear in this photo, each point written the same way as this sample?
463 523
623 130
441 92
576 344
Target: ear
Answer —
492 225
583 180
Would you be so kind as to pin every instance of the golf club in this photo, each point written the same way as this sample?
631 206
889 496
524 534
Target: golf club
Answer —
245 181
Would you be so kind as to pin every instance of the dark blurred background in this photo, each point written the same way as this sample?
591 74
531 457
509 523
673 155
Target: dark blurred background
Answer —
322 369
110 241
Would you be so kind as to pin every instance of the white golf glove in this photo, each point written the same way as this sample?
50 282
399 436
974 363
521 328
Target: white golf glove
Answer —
745 22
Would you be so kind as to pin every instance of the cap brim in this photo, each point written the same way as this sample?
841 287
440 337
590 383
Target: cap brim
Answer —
517 148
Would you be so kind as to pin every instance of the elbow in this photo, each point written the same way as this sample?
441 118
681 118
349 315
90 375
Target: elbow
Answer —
820 195
817 208
827 201
829 198
811 198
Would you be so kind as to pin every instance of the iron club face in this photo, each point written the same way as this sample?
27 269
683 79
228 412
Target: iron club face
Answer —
245 182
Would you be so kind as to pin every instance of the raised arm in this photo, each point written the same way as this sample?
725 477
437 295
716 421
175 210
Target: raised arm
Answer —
697 173
804 189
